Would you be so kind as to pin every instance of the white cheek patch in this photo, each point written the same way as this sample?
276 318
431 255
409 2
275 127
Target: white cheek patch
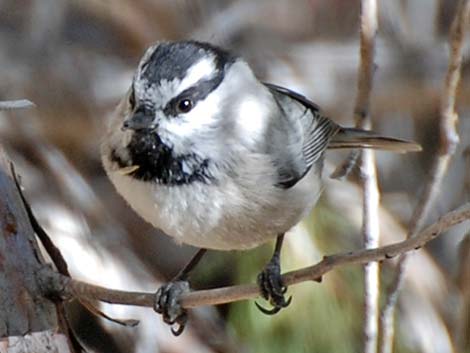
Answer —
204 68
252 116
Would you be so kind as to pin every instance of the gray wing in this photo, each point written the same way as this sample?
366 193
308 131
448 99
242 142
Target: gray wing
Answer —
300 136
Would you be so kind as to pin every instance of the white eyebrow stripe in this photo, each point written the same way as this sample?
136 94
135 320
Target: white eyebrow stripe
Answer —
204 68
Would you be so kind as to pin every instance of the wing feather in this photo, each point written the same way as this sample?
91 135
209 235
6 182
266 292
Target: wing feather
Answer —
316 132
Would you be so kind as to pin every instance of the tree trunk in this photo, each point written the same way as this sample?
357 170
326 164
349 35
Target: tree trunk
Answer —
29 322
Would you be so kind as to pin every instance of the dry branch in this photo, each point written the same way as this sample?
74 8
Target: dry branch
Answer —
370 202
447 144
16 104
65 287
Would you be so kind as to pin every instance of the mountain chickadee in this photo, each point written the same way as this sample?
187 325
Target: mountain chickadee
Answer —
203 150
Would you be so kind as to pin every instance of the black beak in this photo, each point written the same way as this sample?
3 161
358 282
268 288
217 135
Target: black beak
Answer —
141 120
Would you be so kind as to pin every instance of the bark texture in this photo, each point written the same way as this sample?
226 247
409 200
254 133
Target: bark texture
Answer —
28 321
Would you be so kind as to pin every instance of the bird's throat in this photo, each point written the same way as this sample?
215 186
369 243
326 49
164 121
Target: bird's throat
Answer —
156 162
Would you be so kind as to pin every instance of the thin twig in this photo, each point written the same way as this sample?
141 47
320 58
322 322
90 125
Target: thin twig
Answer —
370 203
65 287
16 104
365 80
52 250
371 233
366 66
447 144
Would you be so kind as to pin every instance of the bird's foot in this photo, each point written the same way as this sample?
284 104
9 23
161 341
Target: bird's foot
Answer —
272 288
167 304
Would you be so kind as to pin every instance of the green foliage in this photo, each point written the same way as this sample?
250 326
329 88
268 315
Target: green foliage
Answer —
323 317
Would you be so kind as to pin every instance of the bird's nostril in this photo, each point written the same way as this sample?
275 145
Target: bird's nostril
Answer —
125 125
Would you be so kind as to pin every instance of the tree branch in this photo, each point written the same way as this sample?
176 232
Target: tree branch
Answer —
371 196
61 286
447 144
16 104
365 80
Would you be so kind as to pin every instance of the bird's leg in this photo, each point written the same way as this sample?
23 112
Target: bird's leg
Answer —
270 282
167 296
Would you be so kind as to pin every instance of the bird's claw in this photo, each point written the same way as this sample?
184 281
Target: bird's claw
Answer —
272 288
167 304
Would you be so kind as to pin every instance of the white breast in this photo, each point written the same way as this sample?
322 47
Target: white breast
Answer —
234 214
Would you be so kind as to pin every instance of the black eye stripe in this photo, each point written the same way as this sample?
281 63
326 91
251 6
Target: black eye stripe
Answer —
194 93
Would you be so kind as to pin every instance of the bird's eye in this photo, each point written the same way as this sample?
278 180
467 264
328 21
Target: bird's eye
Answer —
185 105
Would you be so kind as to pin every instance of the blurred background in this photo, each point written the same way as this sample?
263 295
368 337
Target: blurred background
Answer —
75 59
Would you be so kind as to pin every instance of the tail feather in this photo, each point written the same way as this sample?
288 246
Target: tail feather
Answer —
358 138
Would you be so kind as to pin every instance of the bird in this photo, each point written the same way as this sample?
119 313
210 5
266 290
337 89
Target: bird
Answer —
206 152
